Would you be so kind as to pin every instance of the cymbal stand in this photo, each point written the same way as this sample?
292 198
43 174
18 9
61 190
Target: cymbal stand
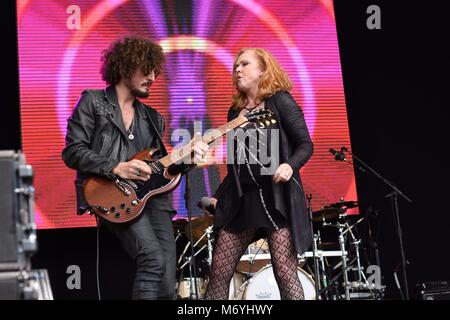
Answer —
192 279
178 235
341 241
344 260
322 270
192 271
314 238
186 198
198 251
355 242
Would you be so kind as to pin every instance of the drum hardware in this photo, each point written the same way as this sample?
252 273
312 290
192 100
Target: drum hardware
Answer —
341 241
314 242
323 281
237 286
178 235
396 192
199 225
360 283
189 281
247 284
355 243
337 211
192 285
185 288
251 262
198 251
189 230
342 273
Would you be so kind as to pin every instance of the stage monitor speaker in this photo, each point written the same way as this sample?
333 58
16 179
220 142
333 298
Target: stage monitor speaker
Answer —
8 235
25 285
17 227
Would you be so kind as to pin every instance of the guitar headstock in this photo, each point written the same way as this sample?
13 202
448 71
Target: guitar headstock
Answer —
263 117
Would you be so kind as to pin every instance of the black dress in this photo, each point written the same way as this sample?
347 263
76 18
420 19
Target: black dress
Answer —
252 151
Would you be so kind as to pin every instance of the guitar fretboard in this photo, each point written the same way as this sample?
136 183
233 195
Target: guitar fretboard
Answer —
209 137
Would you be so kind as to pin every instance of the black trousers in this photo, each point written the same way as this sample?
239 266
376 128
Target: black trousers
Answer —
149 241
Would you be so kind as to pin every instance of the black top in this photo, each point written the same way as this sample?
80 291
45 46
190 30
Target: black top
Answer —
253 158
137 145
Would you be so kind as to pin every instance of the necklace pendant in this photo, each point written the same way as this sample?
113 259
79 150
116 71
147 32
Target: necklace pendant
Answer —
131 136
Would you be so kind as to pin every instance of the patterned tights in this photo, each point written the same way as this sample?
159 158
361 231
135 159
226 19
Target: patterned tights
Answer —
229 249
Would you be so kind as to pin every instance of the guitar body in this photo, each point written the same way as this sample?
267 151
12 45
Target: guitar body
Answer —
123 200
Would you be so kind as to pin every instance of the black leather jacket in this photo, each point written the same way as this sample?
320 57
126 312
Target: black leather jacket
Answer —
96 140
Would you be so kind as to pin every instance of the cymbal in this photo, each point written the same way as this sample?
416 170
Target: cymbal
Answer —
199 226
343 204
327 214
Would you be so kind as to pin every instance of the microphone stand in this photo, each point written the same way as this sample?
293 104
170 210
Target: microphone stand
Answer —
192 258
313 236
393 195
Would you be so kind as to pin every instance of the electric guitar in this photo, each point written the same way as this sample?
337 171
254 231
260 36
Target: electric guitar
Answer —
121 200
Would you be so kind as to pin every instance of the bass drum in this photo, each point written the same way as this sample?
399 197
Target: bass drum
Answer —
263 286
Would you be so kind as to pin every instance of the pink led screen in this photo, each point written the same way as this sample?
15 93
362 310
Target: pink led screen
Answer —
60 44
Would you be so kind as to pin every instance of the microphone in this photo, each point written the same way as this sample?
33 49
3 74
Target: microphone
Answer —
339 156
205 203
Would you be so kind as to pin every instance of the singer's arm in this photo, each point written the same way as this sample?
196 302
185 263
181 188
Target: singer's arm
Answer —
293 120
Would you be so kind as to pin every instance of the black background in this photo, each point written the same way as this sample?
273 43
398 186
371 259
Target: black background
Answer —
396 84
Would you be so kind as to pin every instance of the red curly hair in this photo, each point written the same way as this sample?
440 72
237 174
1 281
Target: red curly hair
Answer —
273 79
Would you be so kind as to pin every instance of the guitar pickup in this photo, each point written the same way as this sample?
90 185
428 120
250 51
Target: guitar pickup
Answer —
122 187
98 209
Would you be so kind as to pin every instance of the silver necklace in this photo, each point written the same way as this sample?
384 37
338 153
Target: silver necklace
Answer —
130 131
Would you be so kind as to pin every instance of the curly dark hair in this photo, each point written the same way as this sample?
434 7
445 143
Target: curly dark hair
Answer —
129 54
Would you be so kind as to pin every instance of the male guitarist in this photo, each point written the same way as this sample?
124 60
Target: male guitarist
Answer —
108 127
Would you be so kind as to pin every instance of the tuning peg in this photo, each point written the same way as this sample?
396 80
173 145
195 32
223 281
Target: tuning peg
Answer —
267 122
260 124
273 121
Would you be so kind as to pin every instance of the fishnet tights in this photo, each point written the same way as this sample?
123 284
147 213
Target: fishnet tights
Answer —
229 249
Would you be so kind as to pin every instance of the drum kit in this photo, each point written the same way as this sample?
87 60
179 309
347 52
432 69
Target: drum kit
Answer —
335 265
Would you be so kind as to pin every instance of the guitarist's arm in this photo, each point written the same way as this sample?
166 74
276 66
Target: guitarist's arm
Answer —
80 132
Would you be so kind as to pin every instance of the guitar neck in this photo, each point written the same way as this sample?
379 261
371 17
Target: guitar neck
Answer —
210 137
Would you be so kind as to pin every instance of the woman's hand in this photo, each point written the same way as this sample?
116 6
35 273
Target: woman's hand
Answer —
213 202
133 169
283 173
